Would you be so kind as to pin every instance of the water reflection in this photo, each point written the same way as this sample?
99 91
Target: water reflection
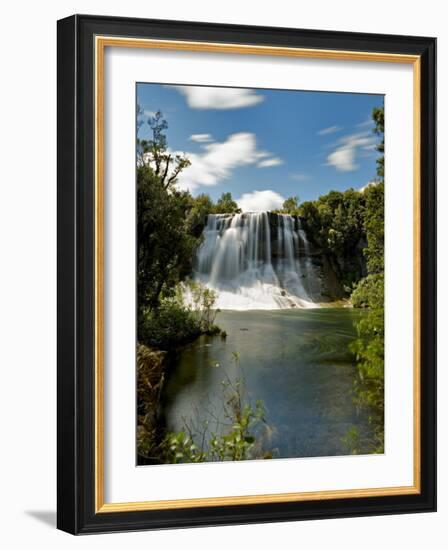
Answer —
296 361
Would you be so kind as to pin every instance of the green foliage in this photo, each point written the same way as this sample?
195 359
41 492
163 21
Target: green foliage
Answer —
339 222
335 221
154 153
369 346
237 443
179 447
173 323
369 352
238 440
349 226
352 440
374 227
196 215
378 118
169 325
169 228
164 248
369 390
290 206
369 292
201 305
226 205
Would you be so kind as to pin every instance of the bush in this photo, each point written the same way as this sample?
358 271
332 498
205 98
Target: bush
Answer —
180 318
244 428
369 351
200 301
238 443
241 437
369 292
150 379
168 326
374 226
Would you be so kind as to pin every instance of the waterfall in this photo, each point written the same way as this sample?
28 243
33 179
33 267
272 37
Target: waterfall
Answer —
250 266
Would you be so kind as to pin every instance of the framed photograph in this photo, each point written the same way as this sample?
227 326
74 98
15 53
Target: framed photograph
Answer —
246 274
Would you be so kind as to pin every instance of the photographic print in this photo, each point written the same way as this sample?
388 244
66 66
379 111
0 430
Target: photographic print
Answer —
222 227
260 274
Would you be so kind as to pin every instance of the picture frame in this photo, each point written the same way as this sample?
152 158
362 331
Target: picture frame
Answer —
82 42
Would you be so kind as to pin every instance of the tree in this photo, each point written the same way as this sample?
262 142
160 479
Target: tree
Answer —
369 293
374 227
335 221
139 116
291 206
378 118
200 207
154 152
369 351
164 248
226 205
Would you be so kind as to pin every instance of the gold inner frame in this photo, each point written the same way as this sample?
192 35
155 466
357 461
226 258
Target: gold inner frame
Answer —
101 42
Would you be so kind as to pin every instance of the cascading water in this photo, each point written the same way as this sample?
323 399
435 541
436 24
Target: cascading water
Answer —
251 267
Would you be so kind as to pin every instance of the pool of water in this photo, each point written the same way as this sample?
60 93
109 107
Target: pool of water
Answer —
296 361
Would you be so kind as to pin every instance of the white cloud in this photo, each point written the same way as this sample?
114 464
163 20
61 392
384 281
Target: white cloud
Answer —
368 122
201 138
368 184
273 161
149 113
206 97
217 160
343 158
329 130
260 201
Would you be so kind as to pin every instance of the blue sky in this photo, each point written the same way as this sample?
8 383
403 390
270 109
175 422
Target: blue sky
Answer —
266 145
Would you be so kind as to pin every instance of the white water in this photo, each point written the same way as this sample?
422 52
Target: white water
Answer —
249 268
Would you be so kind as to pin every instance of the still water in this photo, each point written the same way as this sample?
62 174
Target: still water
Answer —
296 361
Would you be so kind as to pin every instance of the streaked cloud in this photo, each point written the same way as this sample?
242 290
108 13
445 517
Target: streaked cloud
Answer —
329 130
201 138
260 201
216 161
344 156
366 123
273 161
207 97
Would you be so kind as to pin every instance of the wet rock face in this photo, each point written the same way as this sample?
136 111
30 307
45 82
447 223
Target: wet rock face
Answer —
332 271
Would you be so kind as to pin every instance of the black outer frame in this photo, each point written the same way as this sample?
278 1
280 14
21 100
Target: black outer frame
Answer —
75 403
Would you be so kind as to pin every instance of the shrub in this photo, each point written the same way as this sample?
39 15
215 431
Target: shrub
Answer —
180 318
150 379
168 326
240 439
369 292
369 351
200 301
